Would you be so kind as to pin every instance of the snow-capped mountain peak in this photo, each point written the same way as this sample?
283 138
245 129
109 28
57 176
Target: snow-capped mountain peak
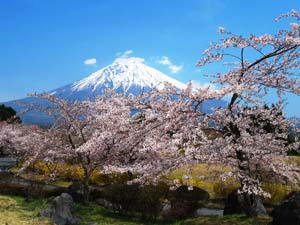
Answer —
125 75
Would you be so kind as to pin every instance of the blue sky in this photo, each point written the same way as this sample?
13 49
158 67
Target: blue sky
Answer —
44 43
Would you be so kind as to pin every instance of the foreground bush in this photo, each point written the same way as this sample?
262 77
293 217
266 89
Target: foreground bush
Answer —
133 199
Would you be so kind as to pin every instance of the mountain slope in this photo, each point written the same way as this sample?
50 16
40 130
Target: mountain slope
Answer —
125 75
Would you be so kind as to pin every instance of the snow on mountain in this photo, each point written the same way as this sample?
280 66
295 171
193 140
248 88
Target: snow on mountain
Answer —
125 75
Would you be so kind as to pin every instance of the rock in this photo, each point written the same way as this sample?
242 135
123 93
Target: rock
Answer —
208 212
288 211
244 203
60 210
180 210
184 202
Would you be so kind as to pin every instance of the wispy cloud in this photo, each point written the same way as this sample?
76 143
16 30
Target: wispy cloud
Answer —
164 60
198 85
124 54
91 61
201 85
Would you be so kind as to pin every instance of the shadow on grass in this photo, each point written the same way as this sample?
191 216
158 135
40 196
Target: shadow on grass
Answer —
95 214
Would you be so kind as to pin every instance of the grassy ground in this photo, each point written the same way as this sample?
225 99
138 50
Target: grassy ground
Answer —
16 211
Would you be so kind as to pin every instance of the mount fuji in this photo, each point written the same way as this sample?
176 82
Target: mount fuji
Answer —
125 75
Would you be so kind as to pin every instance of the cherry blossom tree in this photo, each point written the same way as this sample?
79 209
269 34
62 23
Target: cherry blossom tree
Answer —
23 142
258 65
89 133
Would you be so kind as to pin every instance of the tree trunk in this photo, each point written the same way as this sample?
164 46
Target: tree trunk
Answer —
86 191
252 205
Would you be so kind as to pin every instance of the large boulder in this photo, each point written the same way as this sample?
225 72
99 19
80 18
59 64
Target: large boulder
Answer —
184 202
134 199
60 210
237 203
288 211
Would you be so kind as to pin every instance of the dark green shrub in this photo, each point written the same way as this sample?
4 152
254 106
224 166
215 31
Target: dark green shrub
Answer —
8 114
180 210
194 195
149 199
123 195
185 202
134 199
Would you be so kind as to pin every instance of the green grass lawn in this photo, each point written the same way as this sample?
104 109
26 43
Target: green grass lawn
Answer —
17 211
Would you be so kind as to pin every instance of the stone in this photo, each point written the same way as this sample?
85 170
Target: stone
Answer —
208 212
288 211
60 210
184 202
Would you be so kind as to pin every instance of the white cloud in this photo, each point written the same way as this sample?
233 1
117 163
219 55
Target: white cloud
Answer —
124 54
131 59
175 69
198 85
91 61
164 60
127 53
201 85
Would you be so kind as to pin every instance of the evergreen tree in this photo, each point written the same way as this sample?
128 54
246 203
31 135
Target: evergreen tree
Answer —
8 114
